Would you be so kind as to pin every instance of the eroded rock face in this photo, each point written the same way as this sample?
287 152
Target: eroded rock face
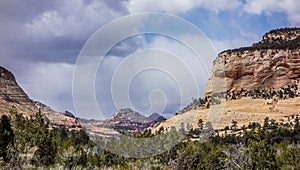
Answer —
254 68
260 69
12 95
9 89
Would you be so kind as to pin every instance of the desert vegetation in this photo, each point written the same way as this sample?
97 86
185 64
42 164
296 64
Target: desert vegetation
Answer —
28 143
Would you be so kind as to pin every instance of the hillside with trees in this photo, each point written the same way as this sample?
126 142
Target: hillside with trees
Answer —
28 143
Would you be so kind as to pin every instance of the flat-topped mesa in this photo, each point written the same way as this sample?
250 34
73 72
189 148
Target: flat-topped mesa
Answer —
261 66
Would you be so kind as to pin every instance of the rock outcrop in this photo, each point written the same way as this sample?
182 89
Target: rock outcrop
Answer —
12 95
249 84
258 69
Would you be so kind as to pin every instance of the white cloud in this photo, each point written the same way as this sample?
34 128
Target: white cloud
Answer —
180 6
50 83
73 18
48 22
290 7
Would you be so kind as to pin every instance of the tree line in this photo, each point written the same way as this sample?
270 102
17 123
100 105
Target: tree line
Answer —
29 143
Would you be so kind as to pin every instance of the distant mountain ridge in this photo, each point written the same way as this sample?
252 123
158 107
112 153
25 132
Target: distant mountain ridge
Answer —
134 116
128 122
132 123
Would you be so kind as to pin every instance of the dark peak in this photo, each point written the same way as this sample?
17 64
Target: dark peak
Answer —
129 114
156 117
133 116
7 75
69 114
125 111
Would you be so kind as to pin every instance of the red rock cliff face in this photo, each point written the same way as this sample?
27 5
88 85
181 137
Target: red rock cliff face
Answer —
259 66
260 69
9 89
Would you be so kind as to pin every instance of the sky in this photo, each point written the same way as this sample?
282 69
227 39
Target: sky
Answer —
40 42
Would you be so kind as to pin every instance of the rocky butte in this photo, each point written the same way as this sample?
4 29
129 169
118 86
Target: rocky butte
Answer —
249 84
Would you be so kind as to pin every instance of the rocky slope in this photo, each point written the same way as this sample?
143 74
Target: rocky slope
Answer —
250 84
12 95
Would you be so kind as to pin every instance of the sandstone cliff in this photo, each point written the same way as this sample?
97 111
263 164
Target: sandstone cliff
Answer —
249 84
272 63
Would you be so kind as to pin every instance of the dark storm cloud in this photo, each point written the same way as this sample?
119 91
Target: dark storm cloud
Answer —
54 50
52 31
22 11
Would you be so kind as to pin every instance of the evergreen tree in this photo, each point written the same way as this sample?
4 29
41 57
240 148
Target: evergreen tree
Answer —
234 125
290 158
200 124
262 155
6 136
